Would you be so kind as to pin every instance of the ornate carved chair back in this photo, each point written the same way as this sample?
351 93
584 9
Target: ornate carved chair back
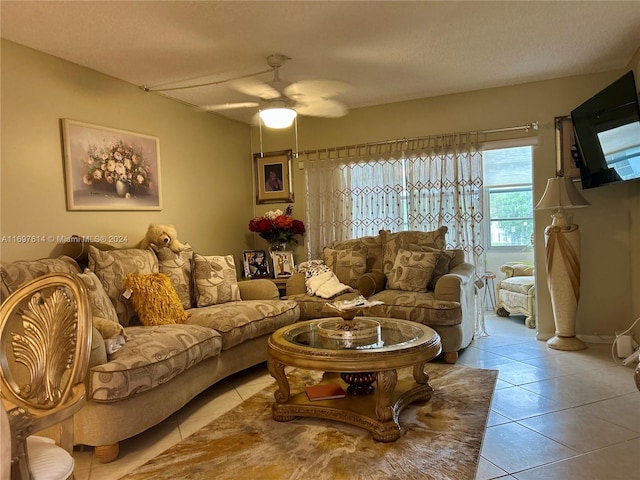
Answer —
45 343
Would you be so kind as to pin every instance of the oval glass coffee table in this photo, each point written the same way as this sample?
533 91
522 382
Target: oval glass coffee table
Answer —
396 344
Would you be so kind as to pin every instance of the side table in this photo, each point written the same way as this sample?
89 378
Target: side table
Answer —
281 283
490 288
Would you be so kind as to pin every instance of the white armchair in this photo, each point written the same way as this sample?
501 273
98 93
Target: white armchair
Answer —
516 293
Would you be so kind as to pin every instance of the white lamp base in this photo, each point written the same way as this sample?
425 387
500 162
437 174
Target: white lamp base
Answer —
563 279
566 343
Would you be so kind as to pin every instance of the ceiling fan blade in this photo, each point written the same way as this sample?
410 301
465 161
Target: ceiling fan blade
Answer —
228 106
316 88
322 108
255 88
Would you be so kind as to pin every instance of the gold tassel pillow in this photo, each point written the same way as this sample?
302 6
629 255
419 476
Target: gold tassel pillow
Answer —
154 299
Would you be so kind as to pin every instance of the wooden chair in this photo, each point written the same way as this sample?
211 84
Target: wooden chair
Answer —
45 342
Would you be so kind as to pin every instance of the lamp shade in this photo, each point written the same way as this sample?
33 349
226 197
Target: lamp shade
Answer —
278 115
560 194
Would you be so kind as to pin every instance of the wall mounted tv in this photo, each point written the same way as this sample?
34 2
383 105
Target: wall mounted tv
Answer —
607 128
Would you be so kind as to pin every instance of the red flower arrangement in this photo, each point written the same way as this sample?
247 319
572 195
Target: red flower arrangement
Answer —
277 226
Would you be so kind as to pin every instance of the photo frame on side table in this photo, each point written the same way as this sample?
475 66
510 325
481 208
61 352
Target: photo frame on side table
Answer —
273 177
255 264
110 169
566 148
282 264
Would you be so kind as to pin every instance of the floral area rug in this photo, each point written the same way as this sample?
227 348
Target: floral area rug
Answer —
441 438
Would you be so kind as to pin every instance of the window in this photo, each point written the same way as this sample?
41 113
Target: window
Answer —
508 196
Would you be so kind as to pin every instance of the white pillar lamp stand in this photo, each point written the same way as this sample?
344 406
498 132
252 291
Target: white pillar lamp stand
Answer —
562 241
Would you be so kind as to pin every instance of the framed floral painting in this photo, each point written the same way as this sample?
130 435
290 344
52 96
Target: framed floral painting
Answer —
273 177
109 169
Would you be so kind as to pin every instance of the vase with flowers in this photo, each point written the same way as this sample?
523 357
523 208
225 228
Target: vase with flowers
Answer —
278 228
119 165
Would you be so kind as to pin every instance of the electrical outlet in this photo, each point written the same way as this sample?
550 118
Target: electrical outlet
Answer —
624 345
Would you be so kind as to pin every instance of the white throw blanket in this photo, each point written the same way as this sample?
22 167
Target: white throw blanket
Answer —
326 285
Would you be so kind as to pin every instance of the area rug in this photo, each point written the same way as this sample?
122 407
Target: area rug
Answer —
441 438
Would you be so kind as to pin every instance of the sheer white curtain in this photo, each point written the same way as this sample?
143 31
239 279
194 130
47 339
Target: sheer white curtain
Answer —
421 184
405 185
350 197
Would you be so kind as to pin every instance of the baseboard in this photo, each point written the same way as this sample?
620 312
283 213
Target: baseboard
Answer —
606 339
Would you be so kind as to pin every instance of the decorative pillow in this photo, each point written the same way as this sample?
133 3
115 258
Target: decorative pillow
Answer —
215 280
155 299
348 265
372 245
20 272
412 270
443 265
393 242
112 266
101 306
177 266
78 249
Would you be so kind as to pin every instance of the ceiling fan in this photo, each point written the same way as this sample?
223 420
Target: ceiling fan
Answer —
280 101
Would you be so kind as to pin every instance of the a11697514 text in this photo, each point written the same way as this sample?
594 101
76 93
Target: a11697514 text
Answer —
26 239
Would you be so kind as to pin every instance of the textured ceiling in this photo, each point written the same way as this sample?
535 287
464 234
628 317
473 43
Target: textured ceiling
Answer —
386 51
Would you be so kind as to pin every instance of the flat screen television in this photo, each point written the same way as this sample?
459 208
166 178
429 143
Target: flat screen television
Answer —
607 130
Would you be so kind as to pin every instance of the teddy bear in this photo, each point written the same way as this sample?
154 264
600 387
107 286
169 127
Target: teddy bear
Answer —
162 236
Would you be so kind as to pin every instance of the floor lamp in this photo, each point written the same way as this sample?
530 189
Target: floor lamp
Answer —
562 241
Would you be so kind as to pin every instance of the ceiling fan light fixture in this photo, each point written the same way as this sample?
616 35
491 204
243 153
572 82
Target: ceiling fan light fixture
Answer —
278 116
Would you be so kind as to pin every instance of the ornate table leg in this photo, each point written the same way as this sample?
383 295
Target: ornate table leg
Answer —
386 384
276 369
419 373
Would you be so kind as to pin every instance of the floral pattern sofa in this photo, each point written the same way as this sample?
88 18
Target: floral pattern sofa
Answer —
162 364
413 275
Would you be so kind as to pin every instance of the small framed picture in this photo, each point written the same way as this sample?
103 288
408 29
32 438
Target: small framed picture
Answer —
282 264
566 148
273 177
255 264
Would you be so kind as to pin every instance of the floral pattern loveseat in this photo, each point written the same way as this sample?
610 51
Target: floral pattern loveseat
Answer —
413 275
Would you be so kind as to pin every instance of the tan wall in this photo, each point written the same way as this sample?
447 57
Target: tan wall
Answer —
607 236
205 159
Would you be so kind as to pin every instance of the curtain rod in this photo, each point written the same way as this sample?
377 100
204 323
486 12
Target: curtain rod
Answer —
526 128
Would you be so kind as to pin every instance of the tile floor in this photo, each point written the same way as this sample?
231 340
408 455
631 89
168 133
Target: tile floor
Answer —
555 415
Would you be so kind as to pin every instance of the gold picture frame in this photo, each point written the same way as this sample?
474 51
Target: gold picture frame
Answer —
566 148
273 177
282 264
110 169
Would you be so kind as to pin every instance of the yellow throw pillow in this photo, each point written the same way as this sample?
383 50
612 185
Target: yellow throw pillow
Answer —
154 299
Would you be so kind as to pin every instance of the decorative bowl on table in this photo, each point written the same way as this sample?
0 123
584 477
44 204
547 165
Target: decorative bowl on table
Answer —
348 326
